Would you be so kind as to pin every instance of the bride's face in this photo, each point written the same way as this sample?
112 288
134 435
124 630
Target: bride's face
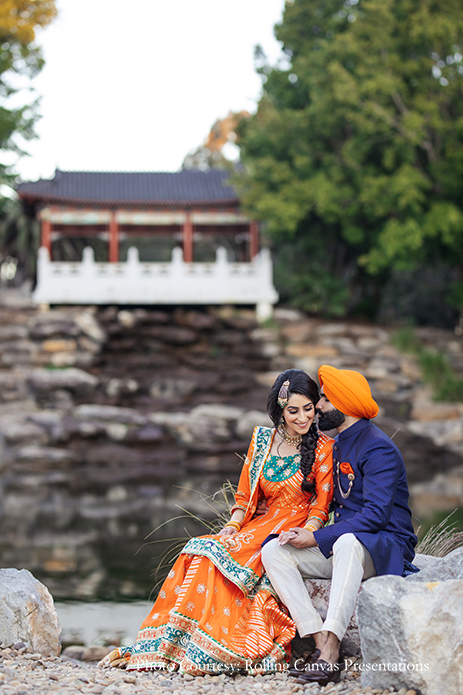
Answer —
298 413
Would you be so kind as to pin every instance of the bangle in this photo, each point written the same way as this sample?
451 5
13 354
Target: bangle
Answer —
309 527
234 524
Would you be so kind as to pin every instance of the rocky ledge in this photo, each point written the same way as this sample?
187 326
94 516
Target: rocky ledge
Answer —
114 420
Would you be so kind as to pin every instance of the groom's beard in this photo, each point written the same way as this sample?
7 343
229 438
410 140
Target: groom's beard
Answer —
330 420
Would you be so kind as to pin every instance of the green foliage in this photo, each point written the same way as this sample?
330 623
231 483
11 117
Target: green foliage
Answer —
435 367
356 146
19 56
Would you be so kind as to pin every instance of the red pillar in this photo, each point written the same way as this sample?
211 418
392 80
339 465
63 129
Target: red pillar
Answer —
188 239
113 239
253 239
46 235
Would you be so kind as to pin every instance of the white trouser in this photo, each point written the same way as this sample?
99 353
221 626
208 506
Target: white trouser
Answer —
286 566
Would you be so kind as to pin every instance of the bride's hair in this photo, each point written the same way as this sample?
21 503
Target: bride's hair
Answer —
301 383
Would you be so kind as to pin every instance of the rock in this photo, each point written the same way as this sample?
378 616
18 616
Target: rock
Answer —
266 379
444 492
438 569
369 343
147 434
74 651
307 350
330 329
441 433
246 423
204 426
13 333
27 613
171 388
74 380
173 335
297 332
95 653
411 635
16 430
59 345
109 413
381 368
286 315
319 591
71 359
88 324
126 318
117 387
271 350
42 457
12 386
425 410
47 326
199 320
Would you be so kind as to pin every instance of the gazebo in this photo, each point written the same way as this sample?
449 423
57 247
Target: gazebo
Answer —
147 238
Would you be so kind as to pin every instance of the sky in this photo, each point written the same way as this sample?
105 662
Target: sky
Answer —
134 85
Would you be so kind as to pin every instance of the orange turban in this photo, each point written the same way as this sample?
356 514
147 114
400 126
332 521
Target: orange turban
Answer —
348 391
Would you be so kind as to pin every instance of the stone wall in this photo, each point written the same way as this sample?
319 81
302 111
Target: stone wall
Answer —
112 419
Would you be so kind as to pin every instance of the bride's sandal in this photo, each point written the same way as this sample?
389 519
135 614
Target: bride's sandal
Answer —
118 658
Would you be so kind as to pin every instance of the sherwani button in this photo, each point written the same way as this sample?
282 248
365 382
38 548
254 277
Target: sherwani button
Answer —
337 514
341 506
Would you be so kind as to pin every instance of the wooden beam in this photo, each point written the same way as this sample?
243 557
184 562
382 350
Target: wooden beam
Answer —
46 235
113 239
188 239
253 239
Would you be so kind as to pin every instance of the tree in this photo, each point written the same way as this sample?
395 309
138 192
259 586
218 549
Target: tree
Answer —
354 158
19 57
213 152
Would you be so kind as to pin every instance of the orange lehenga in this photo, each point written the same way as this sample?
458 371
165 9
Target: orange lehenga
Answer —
217 611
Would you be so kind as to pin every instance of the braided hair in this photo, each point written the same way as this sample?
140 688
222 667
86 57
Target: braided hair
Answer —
301 383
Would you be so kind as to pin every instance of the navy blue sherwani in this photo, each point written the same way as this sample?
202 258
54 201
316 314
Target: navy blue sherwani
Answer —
376 511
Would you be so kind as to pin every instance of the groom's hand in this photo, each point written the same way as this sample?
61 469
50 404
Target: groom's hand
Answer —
298 538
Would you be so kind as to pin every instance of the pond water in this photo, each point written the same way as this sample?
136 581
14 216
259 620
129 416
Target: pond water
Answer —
101 622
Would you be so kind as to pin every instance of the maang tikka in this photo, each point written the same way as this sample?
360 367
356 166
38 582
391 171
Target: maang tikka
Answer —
283 394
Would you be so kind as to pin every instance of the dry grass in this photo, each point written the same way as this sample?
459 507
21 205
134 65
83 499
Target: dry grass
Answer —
441 539
219 506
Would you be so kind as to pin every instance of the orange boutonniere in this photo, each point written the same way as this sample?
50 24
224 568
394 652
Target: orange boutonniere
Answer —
346 468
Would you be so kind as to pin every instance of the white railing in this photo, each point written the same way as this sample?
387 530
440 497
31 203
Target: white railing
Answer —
176 282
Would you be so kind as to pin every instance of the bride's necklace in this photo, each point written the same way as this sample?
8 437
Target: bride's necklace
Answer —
292 441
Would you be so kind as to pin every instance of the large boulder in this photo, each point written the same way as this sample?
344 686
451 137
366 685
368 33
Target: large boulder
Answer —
438 569
412 635
27 613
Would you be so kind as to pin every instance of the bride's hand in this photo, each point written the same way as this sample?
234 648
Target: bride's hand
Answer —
286 537
227 531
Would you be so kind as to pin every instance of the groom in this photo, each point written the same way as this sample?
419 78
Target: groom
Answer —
372 533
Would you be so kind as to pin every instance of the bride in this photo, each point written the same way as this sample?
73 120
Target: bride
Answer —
217 611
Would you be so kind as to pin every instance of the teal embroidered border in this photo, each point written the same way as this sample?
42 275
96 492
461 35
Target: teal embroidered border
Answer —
183 640
264 438
243 577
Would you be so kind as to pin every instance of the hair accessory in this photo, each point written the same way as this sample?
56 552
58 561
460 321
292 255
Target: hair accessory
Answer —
283 394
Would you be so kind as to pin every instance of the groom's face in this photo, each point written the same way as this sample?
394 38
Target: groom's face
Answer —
329 418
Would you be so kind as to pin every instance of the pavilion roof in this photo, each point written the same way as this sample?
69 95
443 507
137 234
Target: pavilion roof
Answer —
188 186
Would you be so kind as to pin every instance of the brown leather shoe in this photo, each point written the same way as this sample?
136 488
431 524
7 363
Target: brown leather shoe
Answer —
309 659
320 672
